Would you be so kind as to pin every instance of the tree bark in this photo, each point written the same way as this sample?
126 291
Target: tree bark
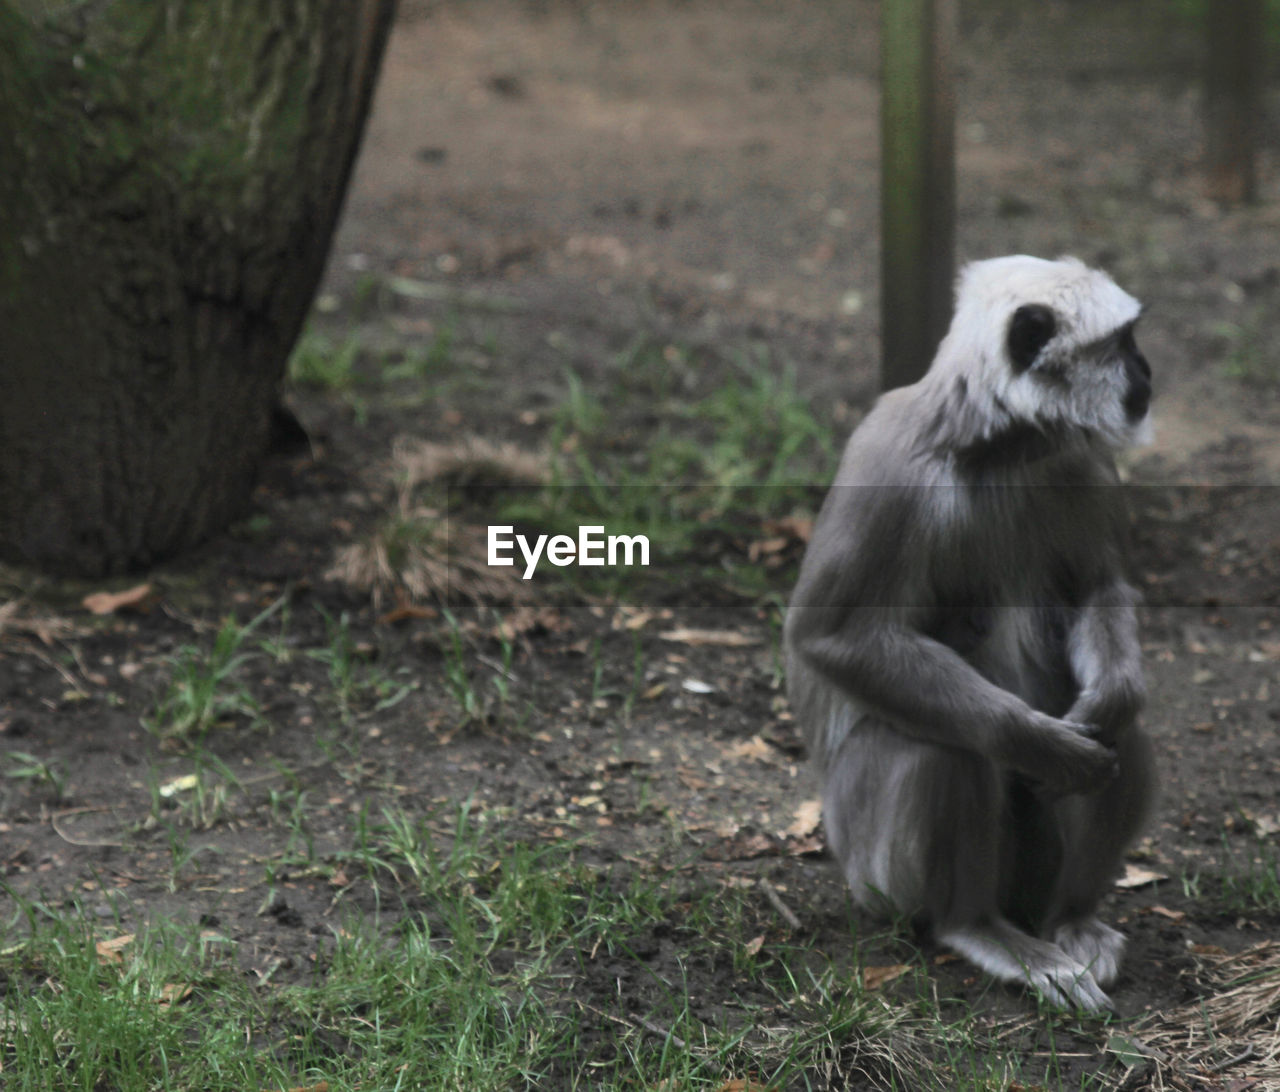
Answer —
170 176
1233 84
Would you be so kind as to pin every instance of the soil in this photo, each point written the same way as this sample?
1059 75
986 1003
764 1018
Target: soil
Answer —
565 177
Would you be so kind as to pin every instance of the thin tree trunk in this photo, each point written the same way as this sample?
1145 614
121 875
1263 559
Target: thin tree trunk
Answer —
170 176
917 184
1234 65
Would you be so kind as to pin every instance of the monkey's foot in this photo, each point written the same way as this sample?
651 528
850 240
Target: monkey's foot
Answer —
1070 988
1097 946
1011 955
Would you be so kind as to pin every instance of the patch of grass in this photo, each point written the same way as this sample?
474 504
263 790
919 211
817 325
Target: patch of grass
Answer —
766 441
522 929
22 766
457 673
429 361
1250 880
200 799
479 698
356 683
319 362
160 1010
493 962
205 688
710 469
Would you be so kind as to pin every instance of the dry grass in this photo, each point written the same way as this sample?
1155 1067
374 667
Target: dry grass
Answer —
419 552
1230 1038
470 463
17 618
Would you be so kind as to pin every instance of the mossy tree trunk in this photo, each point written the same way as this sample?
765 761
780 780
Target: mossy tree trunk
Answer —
170 176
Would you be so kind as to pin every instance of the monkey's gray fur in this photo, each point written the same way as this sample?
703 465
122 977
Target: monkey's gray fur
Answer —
962 646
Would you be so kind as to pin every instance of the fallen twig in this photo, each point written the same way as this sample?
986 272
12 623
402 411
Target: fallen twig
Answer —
1236 1059
53 822
771 893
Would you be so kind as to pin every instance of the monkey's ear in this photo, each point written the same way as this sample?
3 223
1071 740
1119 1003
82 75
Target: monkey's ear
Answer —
1030 329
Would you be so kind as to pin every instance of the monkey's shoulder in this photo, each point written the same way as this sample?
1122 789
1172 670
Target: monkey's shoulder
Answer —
883 449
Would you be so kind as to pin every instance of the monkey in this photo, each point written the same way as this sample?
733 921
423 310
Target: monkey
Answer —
961 644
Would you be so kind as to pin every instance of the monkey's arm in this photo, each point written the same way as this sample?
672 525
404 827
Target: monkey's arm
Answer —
1106 659
929 692
857 625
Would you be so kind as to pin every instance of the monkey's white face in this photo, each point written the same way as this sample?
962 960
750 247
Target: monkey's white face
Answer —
1050 344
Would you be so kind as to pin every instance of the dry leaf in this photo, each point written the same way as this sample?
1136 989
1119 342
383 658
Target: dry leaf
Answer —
753 946
656 690
112 602
808 816
697 686
528 619
405 612
744 1084
765 547
1136 876
800 527
745 847
109 950
727 638
755 747
1267 650
1266 825
875 977
173 993
635 620
1165 912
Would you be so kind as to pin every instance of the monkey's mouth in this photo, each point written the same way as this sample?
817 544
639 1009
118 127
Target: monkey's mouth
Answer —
1137 401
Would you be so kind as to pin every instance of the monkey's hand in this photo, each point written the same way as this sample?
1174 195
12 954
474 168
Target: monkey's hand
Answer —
1065 757
1112 709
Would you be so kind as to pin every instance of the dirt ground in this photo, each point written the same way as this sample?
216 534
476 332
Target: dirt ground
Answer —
567 175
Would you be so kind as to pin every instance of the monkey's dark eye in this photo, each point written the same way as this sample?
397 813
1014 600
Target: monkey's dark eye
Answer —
1030 329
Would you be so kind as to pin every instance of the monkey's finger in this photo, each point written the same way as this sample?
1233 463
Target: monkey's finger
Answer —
1107 735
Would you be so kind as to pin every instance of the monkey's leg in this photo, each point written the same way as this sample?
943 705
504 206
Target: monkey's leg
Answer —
1033 857
985 862
1097 830
916 828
